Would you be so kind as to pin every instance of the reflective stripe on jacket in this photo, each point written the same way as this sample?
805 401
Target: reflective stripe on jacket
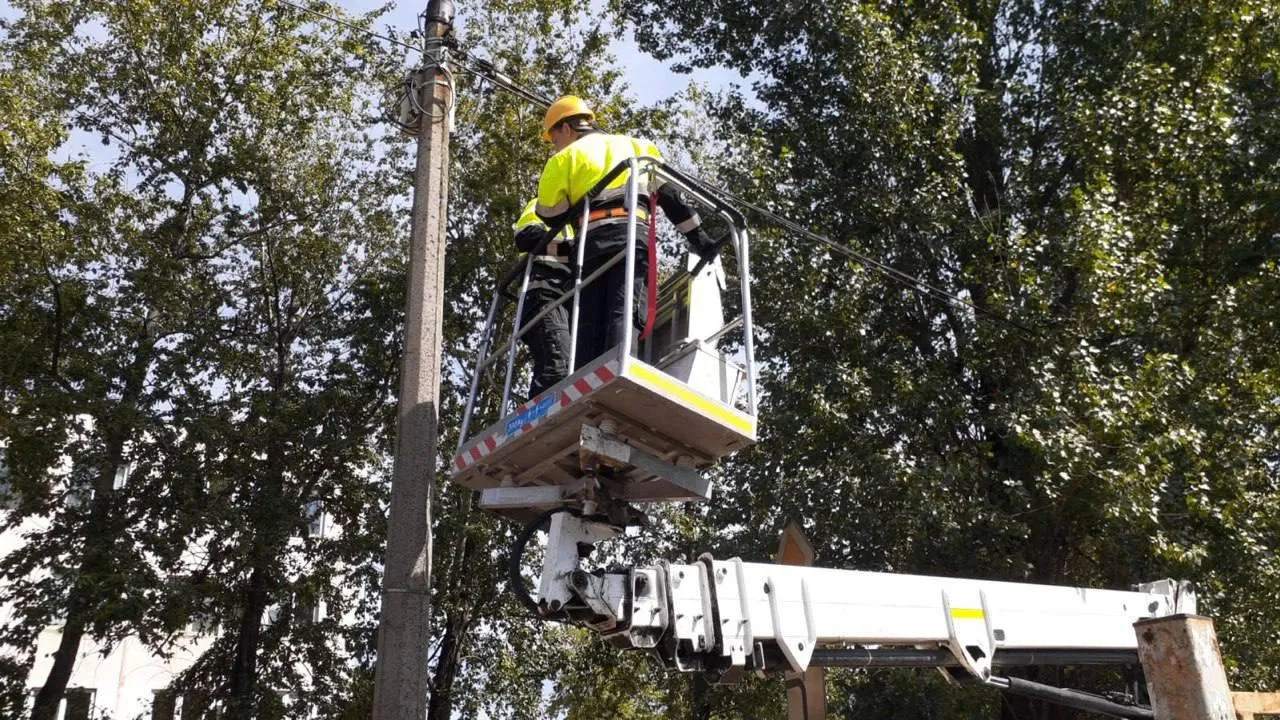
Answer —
557 251
572 172
550 270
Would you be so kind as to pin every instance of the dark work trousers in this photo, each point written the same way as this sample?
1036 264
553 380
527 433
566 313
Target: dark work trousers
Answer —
548 340
604 303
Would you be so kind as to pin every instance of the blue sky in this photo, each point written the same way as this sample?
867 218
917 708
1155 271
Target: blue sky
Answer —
649 79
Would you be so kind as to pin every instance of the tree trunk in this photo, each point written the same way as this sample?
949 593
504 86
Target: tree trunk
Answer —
272 523
102 532
244 668
272 519
440 704
100 538
50 694
700 705
458 622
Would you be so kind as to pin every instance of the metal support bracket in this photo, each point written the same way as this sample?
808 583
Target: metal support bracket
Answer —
604 595
1179 595
798 651
599 448
973 644
692 627
568 532
650 616
529 496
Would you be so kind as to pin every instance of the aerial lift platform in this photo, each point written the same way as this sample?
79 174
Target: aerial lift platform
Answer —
638 424
643 423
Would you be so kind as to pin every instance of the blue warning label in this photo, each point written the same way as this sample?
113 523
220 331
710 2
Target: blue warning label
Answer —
531 415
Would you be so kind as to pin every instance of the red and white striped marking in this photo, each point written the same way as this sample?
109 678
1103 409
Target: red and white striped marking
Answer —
591 381
576 390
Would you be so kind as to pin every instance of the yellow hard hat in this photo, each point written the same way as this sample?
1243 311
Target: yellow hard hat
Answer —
565 107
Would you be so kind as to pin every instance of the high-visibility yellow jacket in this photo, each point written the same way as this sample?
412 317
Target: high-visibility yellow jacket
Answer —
573 171
530 229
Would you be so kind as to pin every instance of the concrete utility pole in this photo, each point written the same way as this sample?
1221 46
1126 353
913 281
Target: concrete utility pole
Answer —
401 680
1185 677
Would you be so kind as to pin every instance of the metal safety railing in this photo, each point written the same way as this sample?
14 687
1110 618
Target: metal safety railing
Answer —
656 173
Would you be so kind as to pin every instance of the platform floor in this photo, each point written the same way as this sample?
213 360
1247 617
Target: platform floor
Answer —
654 412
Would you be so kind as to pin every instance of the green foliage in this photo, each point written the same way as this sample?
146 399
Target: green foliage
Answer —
598 682
905 695
199 328
490 656
181 325
1100 173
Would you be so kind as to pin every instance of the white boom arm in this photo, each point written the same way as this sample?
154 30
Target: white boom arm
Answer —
717 615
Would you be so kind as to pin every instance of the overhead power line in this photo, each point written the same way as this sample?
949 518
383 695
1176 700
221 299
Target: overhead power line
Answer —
913 282
486 70
477 66
350 25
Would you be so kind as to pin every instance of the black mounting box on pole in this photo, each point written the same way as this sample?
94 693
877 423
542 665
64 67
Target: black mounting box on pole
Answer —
440 11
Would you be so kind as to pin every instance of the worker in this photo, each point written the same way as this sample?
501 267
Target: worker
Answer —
583 156
549 278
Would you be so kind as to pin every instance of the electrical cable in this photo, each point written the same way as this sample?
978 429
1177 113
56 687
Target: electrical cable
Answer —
910 281
515 581
448 82
350 26
486 70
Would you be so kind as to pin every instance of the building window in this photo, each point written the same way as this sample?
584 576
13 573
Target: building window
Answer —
308 613
79 703
164 704
300 612
76 703
314 513
6 486
169 704
193 706
202 625
78 493
123 470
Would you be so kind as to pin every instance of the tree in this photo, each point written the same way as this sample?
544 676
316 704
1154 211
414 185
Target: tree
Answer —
97 286
226 298
189 319
1066 166
488 654
29 228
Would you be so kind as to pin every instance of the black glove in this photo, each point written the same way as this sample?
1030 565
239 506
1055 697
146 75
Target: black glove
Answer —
701 243
529 237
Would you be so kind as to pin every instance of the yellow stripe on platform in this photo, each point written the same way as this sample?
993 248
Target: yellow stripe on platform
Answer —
967 613
671 386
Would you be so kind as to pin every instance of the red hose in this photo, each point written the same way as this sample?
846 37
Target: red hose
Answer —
651 313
